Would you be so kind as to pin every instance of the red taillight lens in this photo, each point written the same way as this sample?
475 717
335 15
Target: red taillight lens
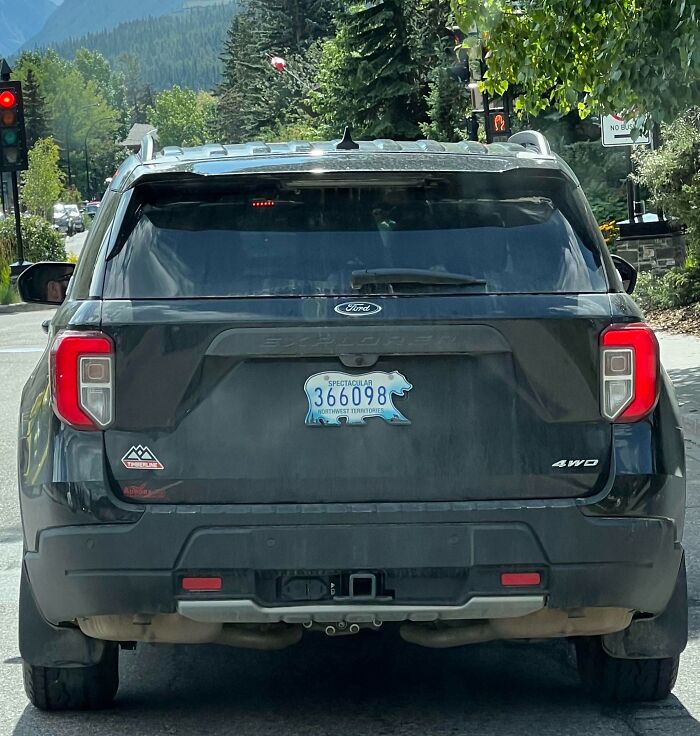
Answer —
520 579
82 379
629 372
202 584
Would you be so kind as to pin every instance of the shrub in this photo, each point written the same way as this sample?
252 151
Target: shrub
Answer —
677 288
41 241
8 293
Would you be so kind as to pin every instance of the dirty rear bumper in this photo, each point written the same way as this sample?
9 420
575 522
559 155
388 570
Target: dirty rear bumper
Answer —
427 554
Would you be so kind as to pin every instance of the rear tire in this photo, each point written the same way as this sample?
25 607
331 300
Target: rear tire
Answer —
623 680
74 688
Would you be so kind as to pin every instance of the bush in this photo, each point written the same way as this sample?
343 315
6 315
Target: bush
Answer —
8 293
41 241
677 288
672 174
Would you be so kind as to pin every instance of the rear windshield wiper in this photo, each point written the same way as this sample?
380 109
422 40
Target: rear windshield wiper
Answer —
412 276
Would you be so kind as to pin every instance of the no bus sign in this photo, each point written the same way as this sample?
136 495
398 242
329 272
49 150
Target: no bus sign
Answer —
617 131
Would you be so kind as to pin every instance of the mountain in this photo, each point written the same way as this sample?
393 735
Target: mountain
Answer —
182 48
20 21
78 17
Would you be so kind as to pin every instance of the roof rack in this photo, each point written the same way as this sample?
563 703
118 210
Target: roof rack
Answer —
532 139
148 146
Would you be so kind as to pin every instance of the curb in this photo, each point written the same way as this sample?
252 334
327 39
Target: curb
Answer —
691 428
23 307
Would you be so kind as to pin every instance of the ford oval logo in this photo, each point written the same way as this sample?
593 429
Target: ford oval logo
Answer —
357 309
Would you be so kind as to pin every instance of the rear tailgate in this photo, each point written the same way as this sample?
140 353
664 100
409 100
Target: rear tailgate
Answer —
251 367
218 402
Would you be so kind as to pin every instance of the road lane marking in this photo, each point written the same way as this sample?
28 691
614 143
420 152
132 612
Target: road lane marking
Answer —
22 350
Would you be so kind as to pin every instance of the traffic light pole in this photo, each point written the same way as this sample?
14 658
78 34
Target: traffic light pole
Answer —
17 268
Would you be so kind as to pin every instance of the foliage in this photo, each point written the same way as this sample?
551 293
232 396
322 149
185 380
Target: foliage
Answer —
182 117
255 100
79 115
8 293
42 182
181 48
41 242
679 287
672 174
610 231
447 107
369 78
638 56
35 110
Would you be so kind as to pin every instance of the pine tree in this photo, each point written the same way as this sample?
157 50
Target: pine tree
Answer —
35 110
370 79
255 100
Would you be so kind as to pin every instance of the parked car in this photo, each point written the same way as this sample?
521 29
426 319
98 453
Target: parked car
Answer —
328 387
91 209
60 218
75 219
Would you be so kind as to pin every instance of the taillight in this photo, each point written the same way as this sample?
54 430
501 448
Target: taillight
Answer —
82 379
629 372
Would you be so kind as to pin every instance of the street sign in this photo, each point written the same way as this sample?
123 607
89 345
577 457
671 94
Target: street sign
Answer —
616 131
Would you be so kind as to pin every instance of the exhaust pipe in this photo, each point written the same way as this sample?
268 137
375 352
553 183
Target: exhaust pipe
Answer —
171 628
549 623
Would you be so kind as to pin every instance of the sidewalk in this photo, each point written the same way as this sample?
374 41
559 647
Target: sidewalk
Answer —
680 355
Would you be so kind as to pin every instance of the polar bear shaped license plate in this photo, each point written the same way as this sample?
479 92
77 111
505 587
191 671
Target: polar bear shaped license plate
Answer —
334 396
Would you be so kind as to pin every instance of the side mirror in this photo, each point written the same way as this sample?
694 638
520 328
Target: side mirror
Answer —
628 273
46 282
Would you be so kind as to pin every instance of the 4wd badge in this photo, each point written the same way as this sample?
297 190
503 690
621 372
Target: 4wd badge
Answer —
140 457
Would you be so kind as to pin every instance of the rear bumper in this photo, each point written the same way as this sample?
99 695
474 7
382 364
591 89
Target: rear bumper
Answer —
430 554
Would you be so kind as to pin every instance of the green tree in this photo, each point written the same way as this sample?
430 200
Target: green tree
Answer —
42 182
35 110
77 111
255 99
368 77
634 56
672 174
447 107
181 117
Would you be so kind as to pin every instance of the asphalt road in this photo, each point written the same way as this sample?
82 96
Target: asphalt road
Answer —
369 684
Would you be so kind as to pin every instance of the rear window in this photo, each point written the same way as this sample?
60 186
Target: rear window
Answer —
243 237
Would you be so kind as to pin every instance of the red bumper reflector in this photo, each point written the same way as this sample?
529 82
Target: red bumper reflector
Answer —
511 579
202 584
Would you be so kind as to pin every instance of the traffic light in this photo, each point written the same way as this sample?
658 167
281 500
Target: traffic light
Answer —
13 142
499 125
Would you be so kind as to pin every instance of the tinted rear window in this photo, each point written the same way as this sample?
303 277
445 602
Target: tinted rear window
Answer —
305 236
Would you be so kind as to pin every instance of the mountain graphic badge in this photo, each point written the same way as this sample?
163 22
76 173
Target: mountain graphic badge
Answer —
140 457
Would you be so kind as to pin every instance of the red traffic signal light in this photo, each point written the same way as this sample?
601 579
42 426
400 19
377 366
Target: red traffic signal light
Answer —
13 146
7 98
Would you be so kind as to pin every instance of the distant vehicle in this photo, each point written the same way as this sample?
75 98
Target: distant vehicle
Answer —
75 219
92 208
60 219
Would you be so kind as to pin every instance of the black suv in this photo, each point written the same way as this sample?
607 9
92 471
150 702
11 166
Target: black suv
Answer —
328 387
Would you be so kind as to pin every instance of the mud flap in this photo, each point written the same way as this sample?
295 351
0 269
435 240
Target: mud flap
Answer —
662 636
45 645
